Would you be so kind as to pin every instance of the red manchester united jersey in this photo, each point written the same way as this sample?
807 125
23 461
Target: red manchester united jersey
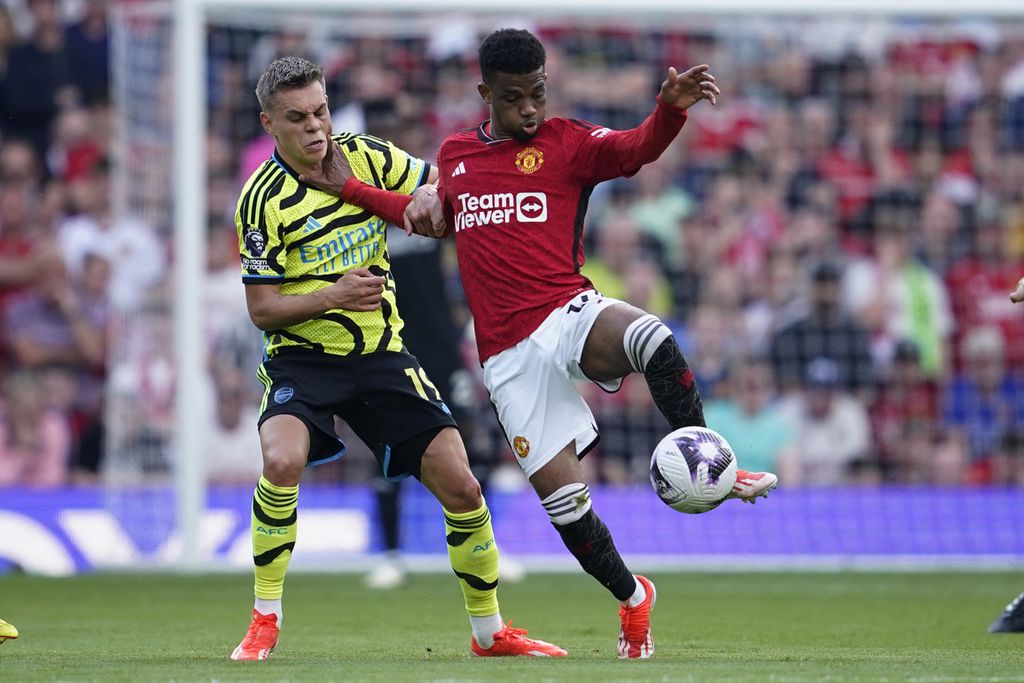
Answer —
516 210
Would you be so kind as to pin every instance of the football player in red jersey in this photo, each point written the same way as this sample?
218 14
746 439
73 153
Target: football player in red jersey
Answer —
514 193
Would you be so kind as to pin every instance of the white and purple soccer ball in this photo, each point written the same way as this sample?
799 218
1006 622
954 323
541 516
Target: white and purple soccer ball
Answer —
693 469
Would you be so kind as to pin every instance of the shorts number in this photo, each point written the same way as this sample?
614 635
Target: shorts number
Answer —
420 380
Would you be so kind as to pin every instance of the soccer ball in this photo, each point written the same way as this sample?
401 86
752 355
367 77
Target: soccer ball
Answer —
693 469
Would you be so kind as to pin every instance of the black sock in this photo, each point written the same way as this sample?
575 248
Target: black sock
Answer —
590 542
388 512
673 387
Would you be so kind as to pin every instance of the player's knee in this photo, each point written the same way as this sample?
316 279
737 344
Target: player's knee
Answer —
282 466
462 495
285 442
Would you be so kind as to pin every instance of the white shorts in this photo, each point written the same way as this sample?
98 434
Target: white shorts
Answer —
533 385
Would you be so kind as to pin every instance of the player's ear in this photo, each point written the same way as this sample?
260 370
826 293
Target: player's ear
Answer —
485 92
267 125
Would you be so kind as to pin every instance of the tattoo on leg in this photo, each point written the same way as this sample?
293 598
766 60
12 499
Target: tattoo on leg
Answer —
673 387
589 540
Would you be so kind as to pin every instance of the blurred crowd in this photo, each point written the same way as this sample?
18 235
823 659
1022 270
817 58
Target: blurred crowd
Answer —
833 244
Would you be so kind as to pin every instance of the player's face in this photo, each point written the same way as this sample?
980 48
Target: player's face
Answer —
517 104
301 123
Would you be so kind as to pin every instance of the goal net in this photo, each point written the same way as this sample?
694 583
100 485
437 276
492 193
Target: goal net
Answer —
851 146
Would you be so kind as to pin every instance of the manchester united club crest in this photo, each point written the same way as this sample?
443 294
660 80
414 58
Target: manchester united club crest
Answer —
521 446
529 160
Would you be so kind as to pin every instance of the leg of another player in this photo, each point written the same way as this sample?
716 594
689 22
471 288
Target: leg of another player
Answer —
444 470
285 443
389 572
566 499
1012 618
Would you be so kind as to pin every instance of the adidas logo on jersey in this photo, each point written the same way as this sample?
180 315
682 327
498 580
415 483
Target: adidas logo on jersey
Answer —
311 225
499 208
460 169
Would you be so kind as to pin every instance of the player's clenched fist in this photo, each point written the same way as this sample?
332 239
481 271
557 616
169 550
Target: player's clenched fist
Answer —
356 290
1017 295
686 89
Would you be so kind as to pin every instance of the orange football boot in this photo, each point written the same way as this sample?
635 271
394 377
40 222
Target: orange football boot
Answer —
512 642
261 638
635 639
750 486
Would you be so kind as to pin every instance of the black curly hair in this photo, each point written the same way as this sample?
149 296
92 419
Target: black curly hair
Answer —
510 51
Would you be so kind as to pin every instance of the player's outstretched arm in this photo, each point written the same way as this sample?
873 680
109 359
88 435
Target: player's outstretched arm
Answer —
1017 295
419 212
686 89
356 290
334 176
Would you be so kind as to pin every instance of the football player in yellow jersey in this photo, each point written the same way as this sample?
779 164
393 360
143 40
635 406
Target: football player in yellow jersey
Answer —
317 283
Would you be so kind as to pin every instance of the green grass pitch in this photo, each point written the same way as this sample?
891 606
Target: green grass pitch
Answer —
786 628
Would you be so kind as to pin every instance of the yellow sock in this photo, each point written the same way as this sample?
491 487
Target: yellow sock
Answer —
474 557
274 526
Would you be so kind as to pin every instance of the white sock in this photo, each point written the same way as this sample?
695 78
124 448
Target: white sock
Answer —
642 338
568 504
484 628
274 607
638 596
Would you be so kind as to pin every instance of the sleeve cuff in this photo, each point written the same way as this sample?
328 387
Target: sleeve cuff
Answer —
424 175
351 188
262 279
671 109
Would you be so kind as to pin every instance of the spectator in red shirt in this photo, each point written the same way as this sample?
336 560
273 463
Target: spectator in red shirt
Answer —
977 289
907 404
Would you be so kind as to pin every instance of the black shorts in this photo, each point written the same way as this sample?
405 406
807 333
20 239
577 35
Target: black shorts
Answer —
385 397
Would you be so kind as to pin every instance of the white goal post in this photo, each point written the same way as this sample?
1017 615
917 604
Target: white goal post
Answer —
190 18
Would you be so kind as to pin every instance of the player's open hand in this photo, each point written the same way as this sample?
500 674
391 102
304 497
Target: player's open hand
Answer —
1017 295
423 216
686 89
356 290
332 173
